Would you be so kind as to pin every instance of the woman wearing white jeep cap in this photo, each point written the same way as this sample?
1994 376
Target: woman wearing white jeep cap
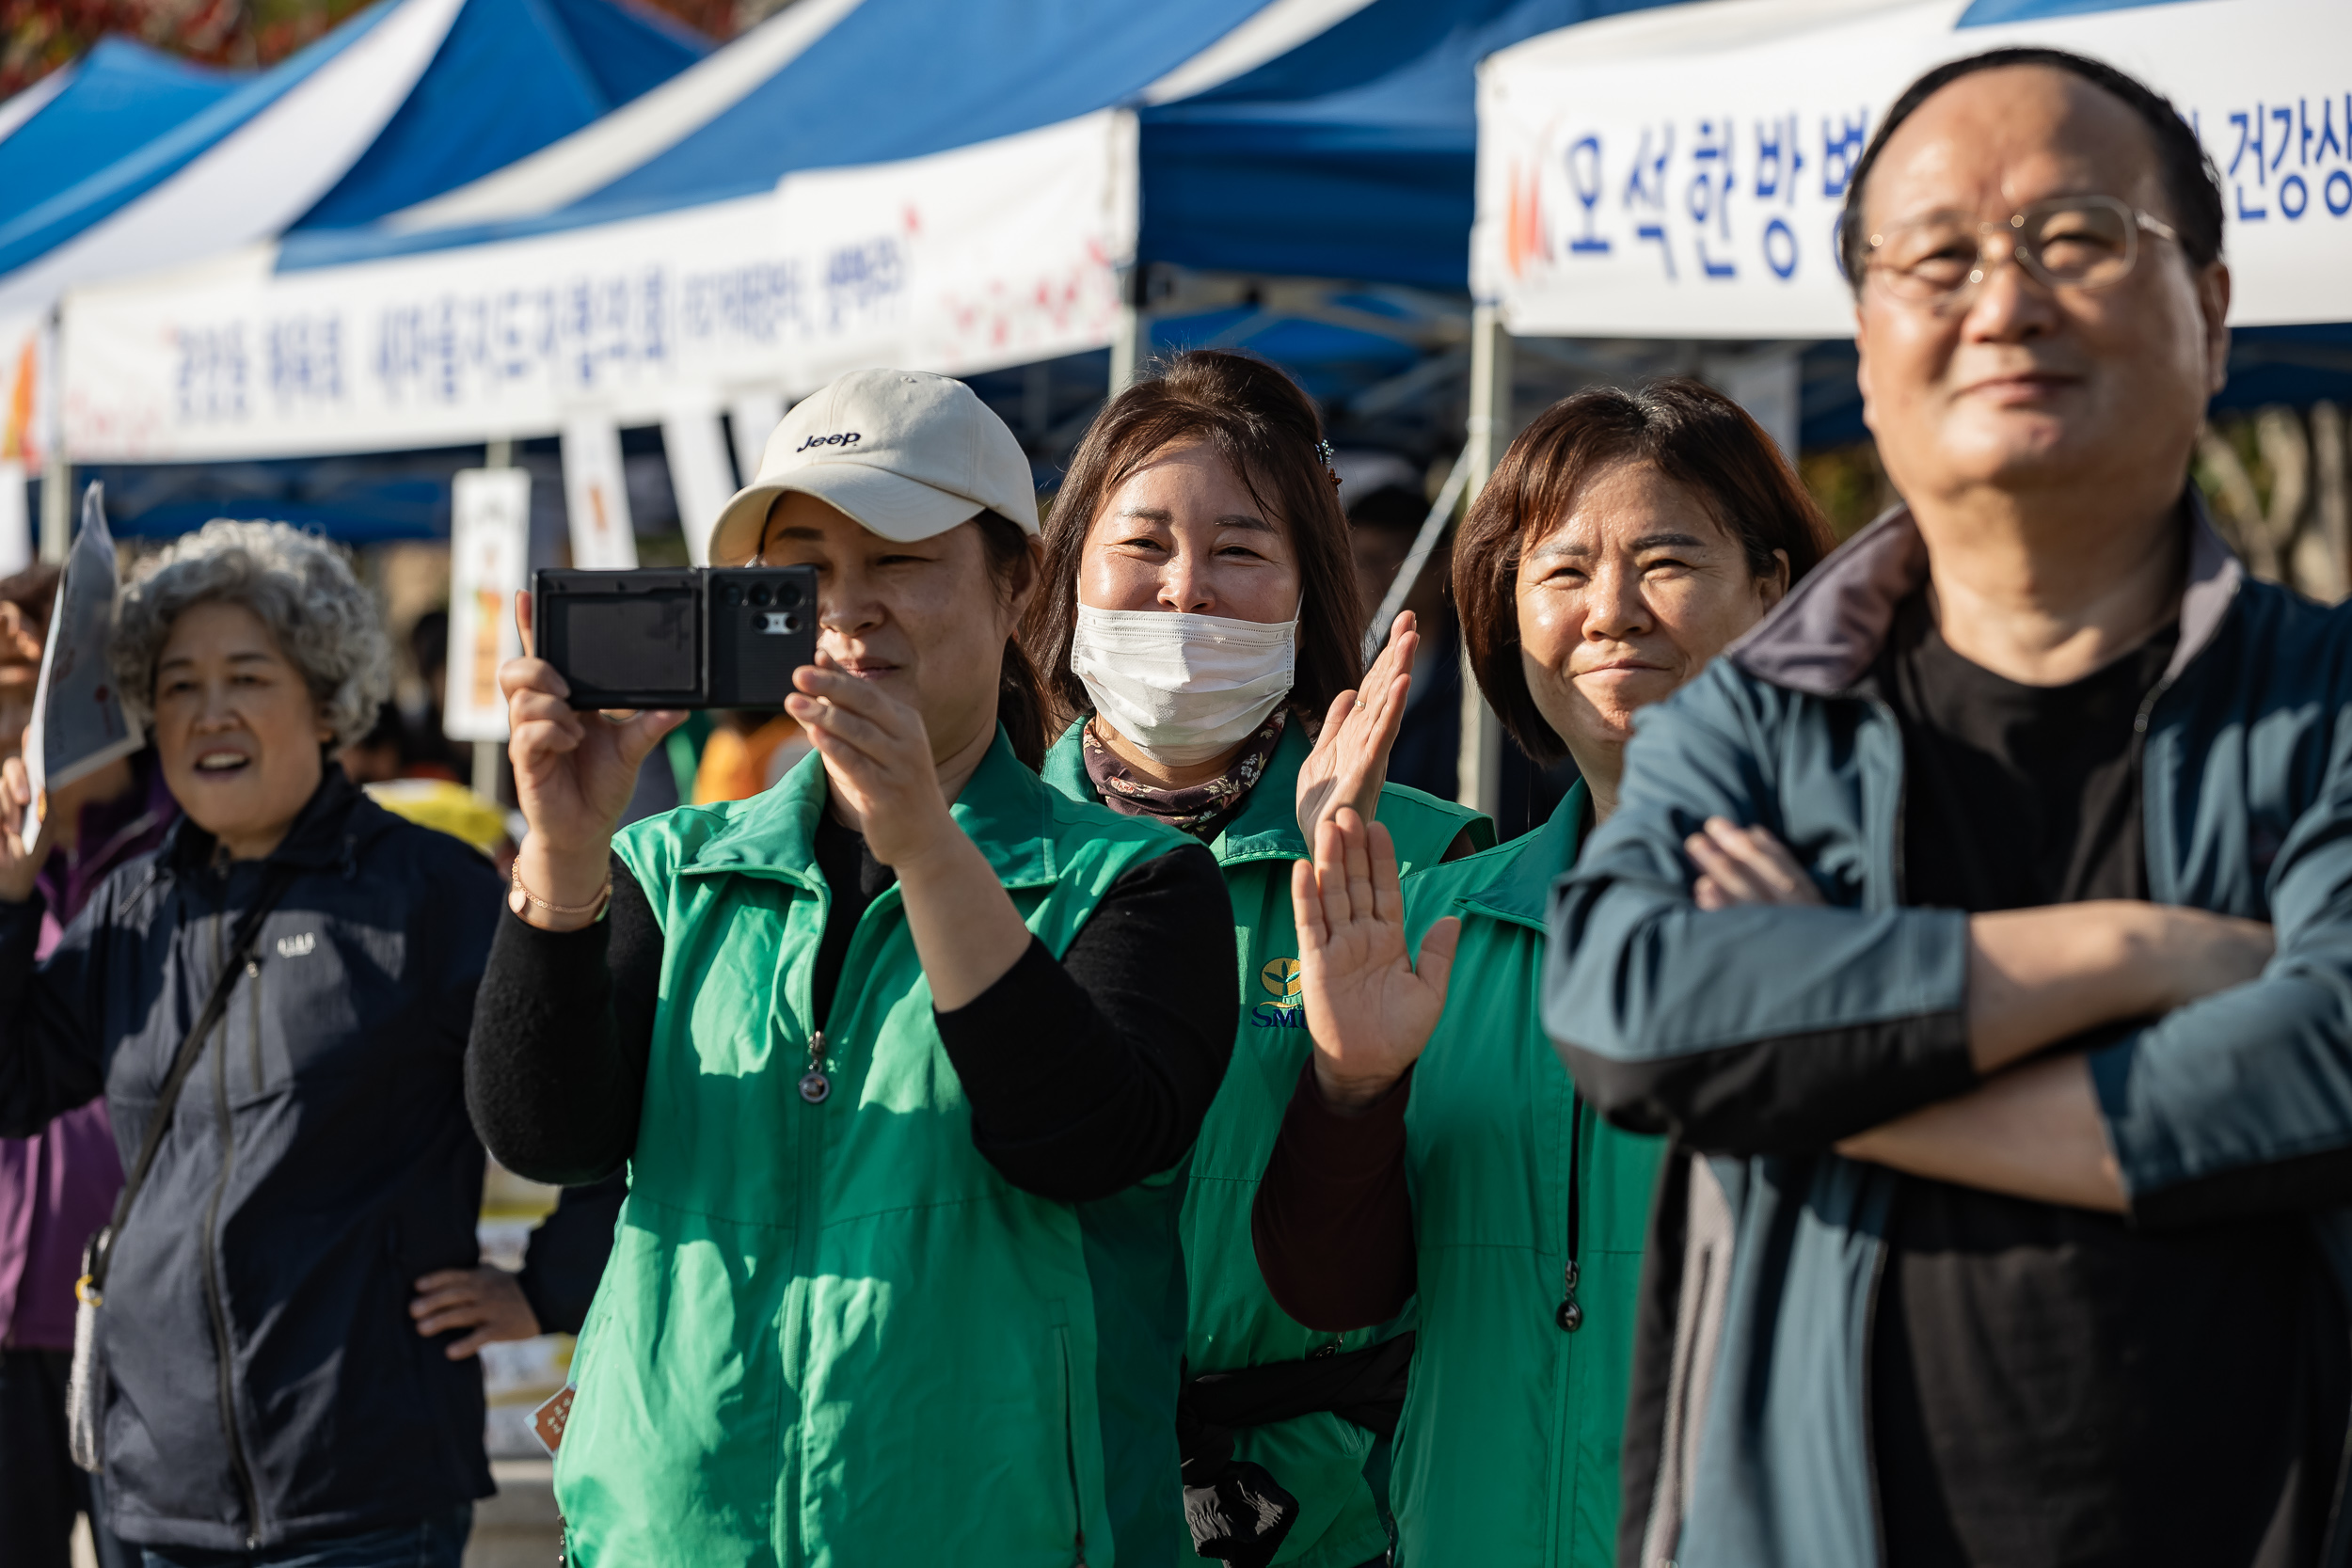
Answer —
898 1054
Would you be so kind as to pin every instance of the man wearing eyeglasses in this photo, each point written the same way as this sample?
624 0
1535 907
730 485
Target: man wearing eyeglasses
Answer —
1982 925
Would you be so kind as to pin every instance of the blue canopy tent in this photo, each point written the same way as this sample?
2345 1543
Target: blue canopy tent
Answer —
848 85
511 77
417 96
132 160
1350 156
87 116
823 84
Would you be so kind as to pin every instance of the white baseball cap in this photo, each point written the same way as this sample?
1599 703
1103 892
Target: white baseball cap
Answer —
906 453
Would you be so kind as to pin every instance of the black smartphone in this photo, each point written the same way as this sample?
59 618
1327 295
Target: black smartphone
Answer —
683 636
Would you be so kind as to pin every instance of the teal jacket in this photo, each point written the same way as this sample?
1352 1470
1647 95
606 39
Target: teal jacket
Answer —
1232 1319
1747 1444
1507 1451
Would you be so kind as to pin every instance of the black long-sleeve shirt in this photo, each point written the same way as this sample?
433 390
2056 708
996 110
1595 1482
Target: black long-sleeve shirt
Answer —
2033 1366
1084 1076
564 1258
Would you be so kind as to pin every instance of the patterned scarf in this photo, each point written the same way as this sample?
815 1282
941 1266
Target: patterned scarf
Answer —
1202 809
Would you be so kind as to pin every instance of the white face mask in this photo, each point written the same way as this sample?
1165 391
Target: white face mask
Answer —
1180 687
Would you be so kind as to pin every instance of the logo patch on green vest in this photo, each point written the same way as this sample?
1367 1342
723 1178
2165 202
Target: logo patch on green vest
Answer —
1288 1010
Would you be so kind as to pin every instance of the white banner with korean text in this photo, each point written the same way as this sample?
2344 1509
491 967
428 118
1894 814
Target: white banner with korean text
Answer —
1679 173
996 254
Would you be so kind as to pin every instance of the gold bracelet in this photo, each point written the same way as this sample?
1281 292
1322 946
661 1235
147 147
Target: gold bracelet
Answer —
594 909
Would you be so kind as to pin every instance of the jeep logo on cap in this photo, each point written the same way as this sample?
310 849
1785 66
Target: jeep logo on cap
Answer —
840 438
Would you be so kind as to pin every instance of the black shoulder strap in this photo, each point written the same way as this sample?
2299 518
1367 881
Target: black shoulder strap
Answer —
240 950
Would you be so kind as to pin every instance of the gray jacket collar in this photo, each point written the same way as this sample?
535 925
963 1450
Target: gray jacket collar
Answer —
1825 635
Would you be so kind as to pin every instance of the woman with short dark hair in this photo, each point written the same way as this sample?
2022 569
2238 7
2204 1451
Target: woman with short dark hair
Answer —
1625 539
1199 617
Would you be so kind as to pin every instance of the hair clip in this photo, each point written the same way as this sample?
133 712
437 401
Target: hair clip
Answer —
1323 451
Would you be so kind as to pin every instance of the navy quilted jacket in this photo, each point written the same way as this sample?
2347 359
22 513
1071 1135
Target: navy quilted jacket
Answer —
267 1385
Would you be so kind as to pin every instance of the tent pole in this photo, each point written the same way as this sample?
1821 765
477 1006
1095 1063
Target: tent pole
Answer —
497 452
57 507
1478 768
1130 335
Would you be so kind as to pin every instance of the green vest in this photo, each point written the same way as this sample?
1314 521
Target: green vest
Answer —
1507 1451
831 1334
1234 1320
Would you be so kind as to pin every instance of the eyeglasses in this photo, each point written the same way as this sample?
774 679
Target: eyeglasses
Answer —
2068 241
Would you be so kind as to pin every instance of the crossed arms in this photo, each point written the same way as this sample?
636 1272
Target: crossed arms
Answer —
1744 1015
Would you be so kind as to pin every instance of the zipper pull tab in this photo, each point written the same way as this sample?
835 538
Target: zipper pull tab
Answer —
1571 1316
815 1086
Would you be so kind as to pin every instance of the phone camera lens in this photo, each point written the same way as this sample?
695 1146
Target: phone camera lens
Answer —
735 593
759 593
788 593
792 623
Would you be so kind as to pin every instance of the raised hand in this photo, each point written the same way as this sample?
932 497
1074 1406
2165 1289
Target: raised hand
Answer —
1370 1008
1350 759
574 774
19 862
1745 865
877 757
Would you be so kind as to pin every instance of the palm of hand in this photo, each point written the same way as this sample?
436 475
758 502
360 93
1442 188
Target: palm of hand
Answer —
1367 1006
1370 1008
1342 763
1349 761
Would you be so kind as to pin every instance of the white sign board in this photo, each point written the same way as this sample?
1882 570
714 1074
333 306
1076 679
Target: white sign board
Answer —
696 447
753 417
26 405
16 519
79 725
1679 173
995 254
595 496
489 563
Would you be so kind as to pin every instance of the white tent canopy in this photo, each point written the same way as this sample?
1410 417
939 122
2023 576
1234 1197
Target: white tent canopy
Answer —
1679 173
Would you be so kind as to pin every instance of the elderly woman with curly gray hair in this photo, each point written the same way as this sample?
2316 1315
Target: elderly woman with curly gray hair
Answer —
275 1004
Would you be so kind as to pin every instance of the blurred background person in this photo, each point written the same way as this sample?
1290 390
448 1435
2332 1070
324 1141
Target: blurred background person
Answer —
427 753
264 1393
1199 614
58 1186
1433 1151
381 753
745 753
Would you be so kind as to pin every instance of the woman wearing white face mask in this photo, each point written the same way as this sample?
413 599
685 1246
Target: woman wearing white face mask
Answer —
1197 618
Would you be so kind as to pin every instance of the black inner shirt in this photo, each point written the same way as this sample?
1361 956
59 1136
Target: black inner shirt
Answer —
2050 1385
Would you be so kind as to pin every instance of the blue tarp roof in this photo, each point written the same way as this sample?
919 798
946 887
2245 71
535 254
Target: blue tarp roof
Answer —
509 77
892 79
1350 156
47 224
113 101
